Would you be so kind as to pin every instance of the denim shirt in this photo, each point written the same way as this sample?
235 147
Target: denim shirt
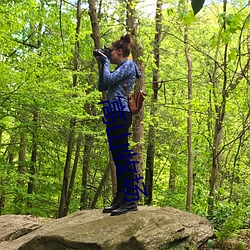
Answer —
113 82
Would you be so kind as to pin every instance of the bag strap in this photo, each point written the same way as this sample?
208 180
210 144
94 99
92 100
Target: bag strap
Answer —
126 88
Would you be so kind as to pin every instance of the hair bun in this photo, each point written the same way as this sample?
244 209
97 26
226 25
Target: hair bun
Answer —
126 39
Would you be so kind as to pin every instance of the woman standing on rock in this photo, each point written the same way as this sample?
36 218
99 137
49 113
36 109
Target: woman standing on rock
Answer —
118 125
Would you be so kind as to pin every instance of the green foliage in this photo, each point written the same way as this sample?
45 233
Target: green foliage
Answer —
221 212
233 222
241 245
210 244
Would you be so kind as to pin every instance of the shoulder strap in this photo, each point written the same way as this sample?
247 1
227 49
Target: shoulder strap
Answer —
126 88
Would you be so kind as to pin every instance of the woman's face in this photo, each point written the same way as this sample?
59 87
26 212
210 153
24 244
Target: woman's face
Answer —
116 56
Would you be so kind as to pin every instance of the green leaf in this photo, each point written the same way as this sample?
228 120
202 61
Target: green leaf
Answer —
226 36
170 11
233 54
197 5
188 17
210 244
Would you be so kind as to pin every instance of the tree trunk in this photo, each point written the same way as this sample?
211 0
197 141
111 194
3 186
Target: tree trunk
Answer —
172 178
217 142
138 127
151 133
73 174
19 198
172 170
21 159
1 135
77 43
66 176
33 157
11 152
9 160
189 125
62 206
85 170
1 179
2 201
97 44
35 112
245 122
94 24
2 198
98 191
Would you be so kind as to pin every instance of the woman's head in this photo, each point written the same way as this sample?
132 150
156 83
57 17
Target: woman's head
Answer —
120 49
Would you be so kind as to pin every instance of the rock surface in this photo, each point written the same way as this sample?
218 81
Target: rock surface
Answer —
149 228
15 226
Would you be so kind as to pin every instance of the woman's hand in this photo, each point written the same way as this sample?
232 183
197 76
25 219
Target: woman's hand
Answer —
101 58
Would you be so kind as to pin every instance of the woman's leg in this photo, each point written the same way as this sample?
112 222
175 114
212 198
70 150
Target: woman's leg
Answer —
119 151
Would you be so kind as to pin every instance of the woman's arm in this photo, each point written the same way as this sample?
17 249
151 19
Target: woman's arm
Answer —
123 72
101 85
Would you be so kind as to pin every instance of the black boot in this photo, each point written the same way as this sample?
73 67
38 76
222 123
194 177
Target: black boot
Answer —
126 206
117 201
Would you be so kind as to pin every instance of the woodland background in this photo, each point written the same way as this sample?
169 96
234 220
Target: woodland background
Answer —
192 136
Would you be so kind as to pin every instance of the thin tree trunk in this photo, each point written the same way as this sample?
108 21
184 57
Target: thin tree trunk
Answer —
1 180
97 44
34 144
211 128
234 169
85 170
11 155
64 191
33 157
77 43
66 170
217 142
172 178
32 167
2 201
245 122
138 127
19 199
2 197
35 112
151 133
22 159
95 24
1 135
22 153
73 174
78 144
98 191
172 170
189 125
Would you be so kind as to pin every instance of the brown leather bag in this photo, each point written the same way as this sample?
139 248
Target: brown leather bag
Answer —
135 101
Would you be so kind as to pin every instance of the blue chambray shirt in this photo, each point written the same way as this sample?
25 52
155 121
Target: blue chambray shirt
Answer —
113 82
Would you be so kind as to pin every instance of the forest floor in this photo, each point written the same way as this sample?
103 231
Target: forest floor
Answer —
241 242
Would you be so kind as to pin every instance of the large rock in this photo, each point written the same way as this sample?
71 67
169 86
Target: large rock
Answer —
148 228
15 226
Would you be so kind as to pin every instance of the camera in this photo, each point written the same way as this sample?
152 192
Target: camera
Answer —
106 51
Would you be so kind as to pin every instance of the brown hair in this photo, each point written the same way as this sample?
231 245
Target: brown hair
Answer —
124 44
